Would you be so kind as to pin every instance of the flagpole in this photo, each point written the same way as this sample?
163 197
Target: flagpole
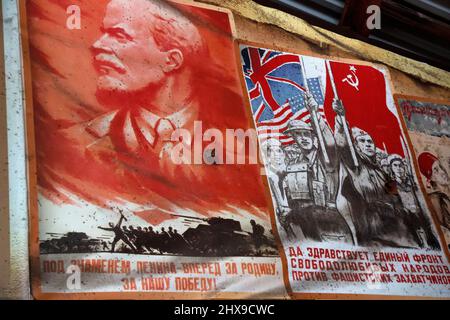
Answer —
408 159
343 120
315 119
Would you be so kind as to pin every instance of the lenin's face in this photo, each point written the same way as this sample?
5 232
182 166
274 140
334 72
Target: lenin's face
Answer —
126 56
439 175
366 145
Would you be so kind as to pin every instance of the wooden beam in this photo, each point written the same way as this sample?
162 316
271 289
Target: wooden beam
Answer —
418 23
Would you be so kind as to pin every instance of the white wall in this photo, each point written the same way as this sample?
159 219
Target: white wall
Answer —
14 270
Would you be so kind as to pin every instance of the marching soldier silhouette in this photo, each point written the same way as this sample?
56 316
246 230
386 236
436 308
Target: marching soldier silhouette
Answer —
132 234
149 239
139 239
164 239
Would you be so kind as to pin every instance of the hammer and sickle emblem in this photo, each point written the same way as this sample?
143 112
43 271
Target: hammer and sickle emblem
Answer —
352 78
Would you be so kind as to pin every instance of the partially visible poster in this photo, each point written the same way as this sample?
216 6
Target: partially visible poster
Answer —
4 212
349 210
428 123
131 100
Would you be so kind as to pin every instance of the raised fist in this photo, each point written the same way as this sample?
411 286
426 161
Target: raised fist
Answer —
338 107
311 103
284 212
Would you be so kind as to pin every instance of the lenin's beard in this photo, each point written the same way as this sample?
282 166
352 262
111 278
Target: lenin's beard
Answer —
113 99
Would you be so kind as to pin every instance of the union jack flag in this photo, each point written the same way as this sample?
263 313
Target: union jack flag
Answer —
276 89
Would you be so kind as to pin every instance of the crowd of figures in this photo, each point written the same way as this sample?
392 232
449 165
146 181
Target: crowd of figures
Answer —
338 186
140 240
212 237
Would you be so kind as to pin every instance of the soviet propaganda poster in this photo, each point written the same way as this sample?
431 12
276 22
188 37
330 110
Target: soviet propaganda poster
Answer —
131 196
428 124
348 206
140 139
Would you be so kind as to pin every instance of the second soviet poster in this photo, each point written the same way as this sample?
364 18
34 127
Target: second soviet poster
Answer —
349 209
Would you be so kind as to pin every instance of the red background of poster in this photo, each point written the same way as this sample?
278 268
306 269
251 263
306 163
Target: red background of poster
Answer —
64 84
366 108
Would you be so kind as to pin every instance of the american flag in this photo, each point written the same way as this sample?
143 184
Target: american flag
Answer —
276 90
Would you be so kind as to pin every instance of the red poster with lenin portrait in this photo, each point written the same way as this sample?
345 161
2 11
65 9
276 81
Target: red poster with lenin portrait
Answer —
132 189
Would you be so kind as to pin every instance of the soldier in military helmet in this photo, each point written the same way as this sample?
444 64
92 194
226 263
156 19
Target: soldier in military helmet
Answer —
384 164
405 185
132 233
275 157
365 193
275 160
406 189
139 238
170 232
311 179
149 239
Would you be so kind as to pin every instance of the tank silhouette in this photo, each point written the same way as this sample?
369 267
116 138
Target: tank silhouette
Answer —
217 237
203 237
70 242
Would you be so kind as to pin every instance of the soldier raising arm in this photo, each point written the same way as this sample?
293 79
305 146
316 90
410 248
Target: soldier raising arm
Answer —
324 133
343 145
359 158
363 193
118 234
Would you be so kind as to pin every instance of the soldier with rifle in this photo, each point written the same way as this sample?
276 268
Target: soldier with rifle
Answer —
140 239
164 239
310 181
413 214
365 199
149 239
119 234
375 210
